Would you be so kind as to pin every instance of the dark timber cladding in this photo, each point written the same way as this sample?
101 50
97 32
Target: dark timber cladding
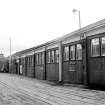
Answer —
73 62
40 65
78 57
30 66
25 66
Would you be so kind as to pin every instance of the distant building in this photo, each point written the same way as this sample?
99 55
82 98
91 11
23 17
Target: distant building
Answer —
1 56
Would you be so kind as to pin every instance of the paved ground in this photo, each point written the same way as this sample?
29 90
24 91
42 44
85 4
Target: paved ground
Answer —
18 90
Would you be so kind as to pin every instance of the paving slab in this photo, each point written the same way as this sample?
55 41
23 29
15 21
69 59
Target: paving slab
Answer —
46 93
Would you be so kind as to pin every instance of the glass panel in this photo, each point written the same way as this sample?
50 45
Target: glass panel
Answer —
32 60
37 58
52 56
56 56
42 57
72 52
95 47
29 60
66 53
79 52
48 57
103 46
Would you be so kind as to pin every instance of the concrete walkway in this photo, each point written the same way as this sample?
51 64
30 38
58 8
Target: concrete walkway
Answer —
46 93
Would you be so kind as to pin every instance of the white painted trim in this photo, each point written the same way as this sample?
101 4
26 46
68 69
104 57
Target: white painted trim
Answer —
71 40
52 46
39 50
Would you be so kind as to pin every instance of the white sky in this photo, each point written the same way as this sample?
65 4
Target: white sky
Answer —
32 22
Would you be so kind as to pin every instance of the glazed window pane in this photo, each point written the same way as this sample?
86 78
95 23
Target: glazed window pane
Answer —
66 53
103 46
72 52
56 56
52 56
48 57
43 57
40 58
95 47
79 52
37 59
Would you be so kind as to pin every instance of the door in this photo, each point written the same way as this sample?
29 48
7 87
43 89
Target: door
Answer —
76 63
73 63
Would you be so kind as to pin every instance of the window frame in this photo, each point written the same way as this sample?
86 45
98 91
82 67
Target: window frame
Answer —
91 53
40 58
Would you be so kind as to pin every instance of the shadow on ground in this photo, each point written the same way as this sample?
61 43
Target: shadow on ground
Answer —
96 87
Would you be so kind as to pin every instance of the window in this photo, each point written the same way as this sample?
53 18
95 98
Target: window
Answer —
37 58
32 60
66 53
56 56
28 60
52 56
72 52
95 47
103 46
78 51
40 58
48 57
43 57
23 62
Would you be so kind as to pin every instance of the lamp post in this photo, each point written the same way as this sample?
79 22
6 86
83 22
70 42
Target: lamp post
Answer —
79 19
10 46
79 16
10 65
82 36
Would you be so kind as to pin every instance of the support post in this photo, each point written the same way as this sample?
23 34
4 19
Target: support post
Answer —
85 62
10 59
60 62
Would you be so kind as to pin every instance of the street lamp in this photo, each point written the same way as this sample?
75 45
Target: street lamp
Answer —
79 16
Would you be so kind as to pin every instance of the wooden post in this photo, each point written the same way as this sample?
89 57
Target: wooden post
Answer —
85 62
60 62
